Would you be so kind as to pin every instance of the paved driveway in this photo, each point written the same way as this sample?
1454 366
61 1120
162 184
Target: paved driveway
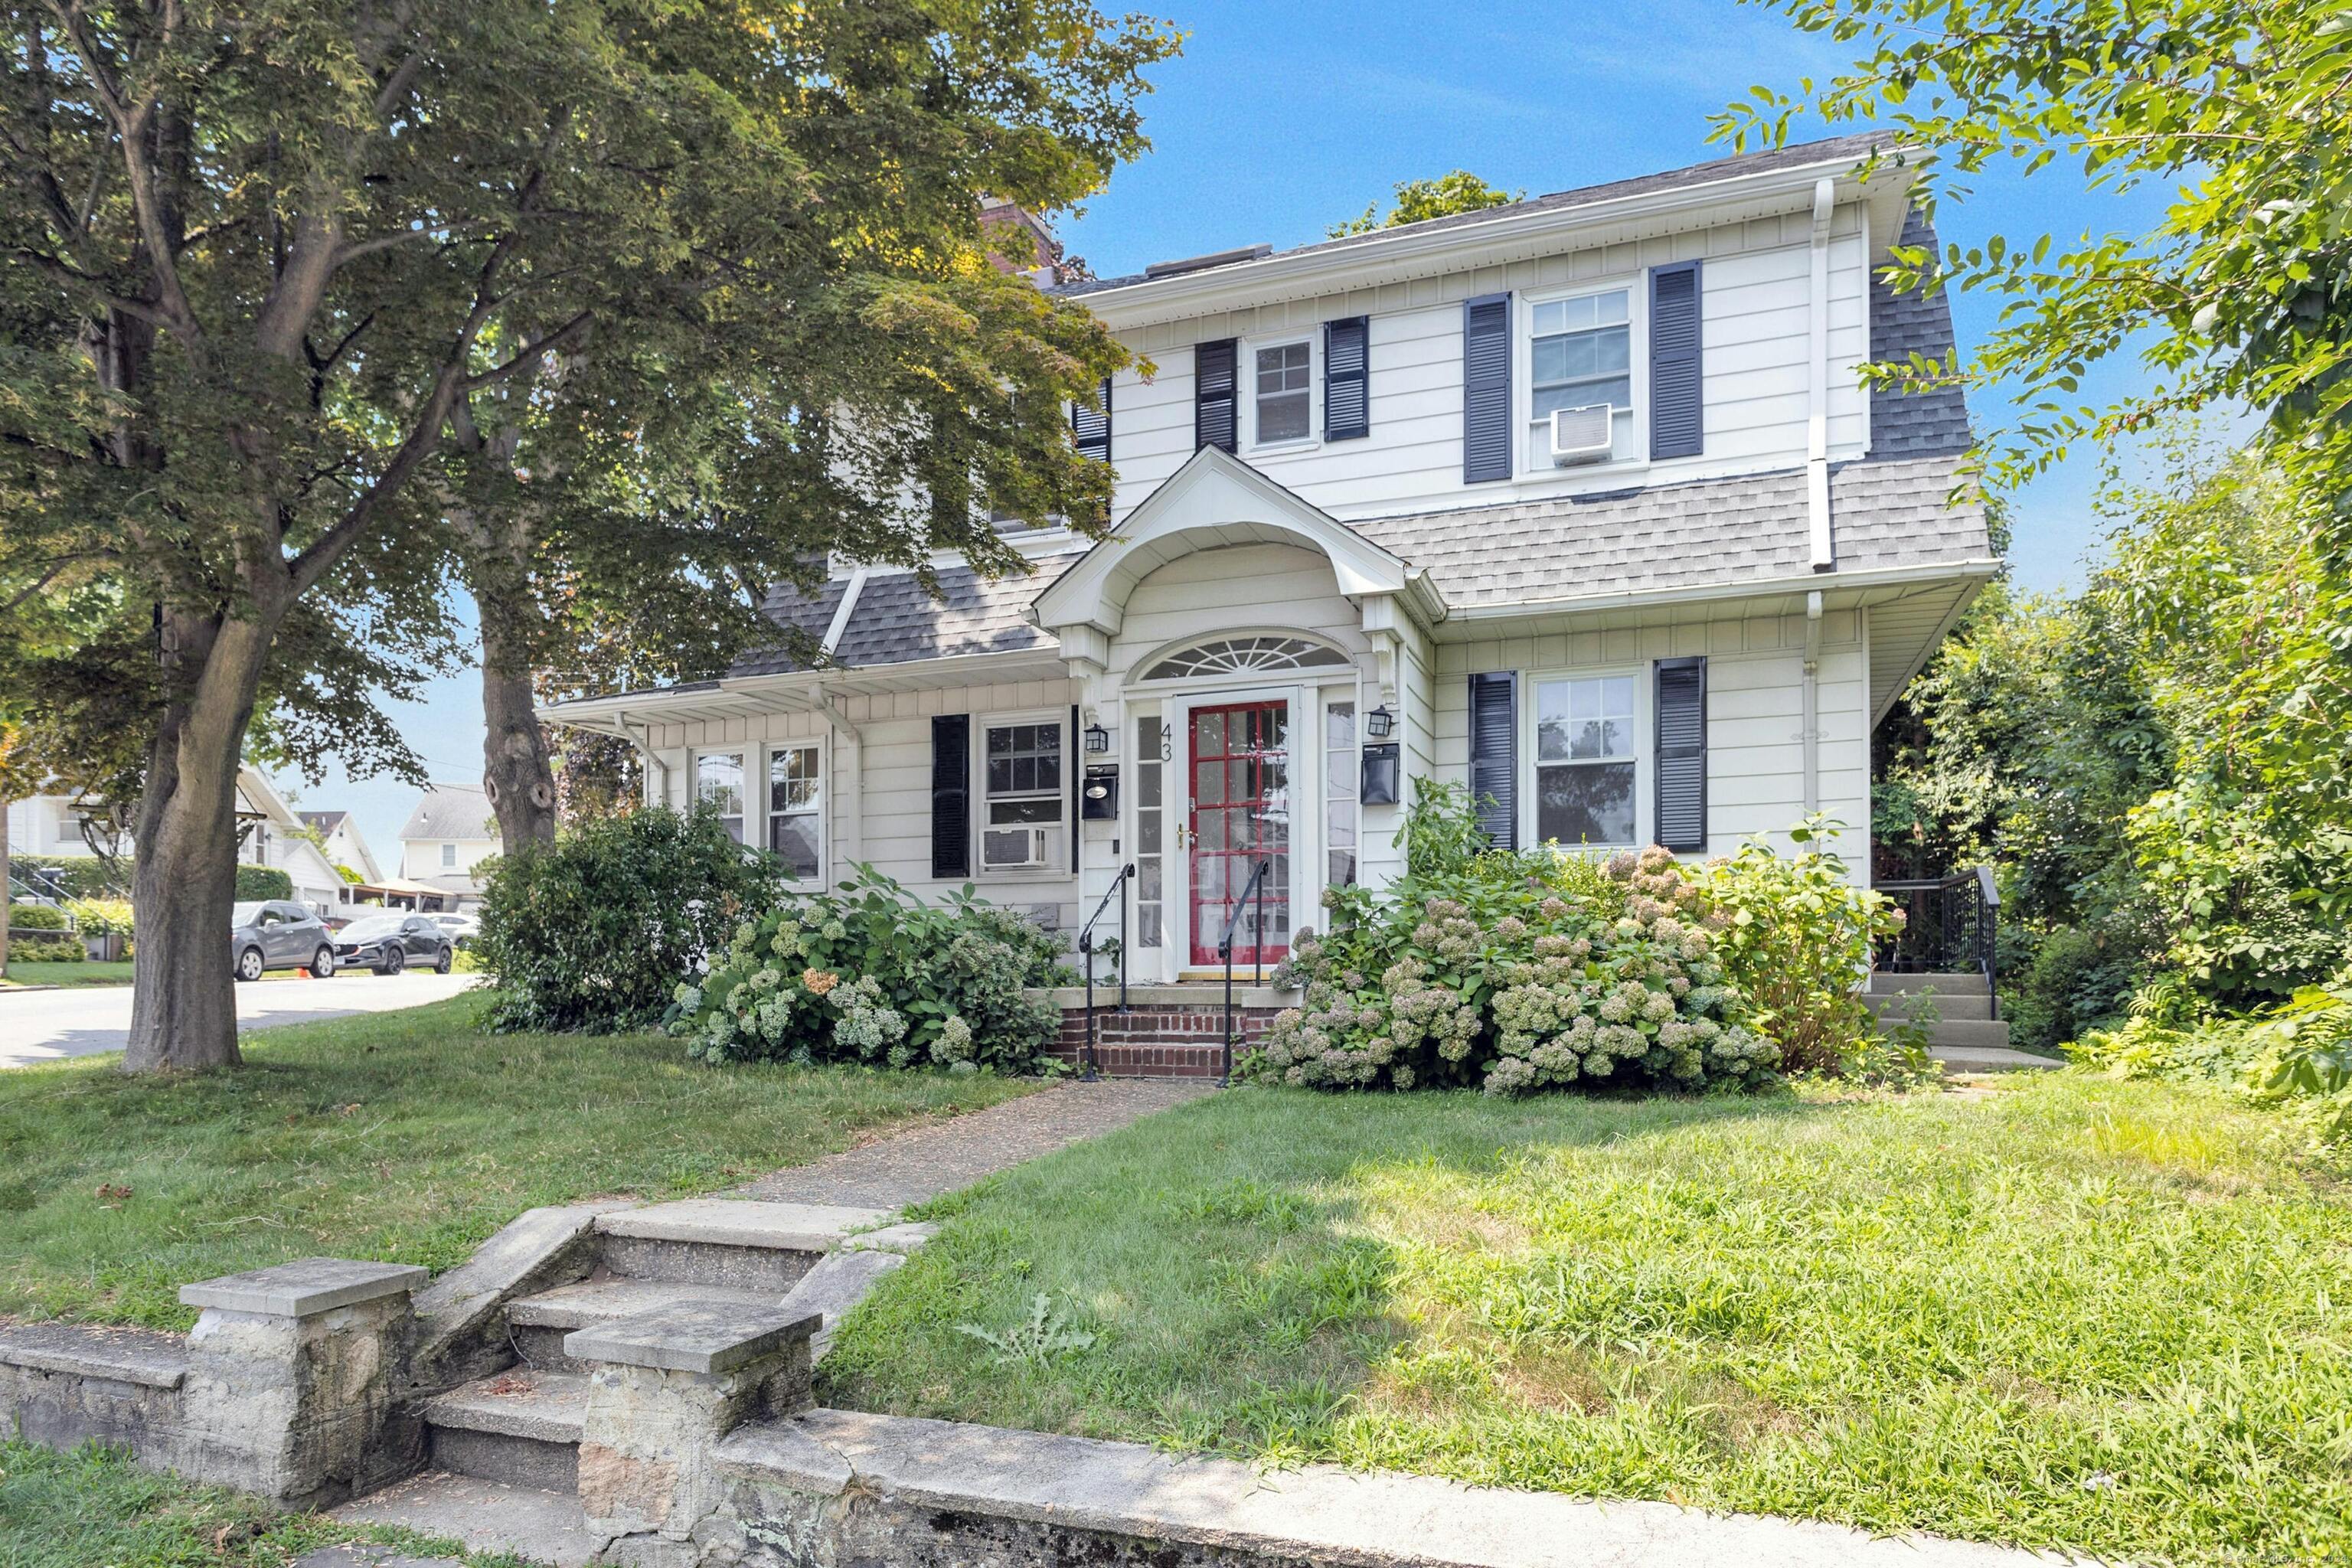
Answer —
41 1025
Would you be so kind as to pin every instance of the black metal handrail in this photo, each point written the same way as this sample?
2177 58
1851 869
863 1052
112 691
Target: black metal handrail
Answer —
1254 889
1086 959
1949 923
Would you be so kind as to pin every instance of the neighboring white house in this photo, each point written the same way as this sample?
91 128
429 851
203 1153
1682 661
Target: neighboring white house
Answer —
269 833
1578 501
451 831
339 835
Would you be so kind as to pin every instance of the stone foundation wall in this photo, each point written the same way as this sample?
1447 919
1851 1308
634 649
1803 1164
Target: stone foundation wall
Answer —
64 1409
1158 1039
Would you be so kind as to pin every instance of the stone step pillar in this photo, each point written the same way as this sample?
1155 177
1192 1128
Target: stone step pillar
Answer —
291 1375
663 1388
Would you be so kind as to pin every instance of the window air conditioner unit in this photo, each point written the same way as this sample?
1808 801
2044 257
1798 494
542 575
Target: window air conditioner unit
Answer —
1581 435
1016 848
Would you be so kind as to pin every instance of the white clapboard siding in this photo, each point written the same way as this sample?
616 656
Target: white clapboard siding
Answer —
1240 588
1756 319
1755 706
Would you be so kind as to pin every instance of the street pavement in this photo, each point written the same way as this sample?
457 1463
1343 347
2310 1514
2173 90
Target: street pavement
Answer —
42 1025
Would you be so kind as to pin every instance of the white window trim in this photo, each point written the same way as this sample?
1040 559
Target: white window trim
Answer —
1635 288
745 754
1247 352
824 811
1309 673
1644 754
981 724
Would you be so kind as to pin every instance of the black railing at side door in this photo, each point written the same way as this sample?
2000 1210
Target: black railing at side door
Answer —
1254 890
1950 924
1117 889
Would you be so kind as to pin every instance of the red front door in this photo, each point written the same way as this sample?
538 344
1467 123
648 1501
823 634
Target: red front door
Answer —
1240 819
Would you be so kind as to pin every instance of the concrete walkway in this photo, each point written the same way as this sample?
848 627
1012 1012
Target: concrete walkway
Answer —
914 1167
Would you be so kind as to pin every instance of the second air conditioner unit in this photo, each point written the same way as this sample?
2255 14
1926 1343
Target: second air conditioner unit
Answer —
1016 848
1583 434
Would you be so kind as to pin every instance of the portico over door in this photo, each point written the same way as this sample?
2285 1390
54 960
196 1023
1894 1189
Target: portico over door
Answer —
1238 820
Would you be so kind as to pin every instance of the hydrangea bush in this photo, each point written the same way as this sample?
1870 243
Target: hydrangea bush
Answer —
1524 971
872 974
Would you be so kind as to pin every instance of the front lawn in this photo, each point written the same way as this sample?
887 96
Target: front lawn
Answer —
2072 1312
68 974
95 1508
403 1136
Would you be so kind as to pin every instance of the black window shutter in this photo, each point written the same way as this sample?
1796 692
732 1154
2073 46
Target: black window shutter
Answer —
1676 388
951 794
1495 756
1213 395
1486 388
1681 754
1346 381
1091 428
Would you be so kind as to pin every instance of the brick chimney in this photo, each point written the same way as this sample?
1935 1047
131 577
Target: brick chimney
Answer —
1020 243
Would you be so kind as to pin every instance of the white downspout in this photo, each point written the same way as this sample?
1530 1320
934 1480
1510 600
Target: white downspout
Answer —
852 816
1813 707
1817 386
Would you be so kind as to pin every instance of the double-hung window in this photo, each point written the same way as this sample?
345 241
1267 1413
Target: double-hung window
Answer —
795 808
1581 356
1285 392
448 856
1024 826
1588 742
719 784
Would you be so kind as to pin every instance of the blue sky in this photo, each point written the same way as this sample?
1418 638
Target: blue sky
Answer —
1280 119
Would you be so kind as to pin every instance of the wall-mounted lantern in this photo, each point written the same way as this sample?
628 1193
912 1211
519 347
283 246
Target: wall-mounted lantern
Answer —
1380 723
1097 740
1099 800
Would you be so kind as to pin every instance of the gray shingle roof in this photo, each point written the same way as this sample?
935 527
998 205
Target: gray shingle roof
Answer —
1914 423
896 621
809 614
322 821
452 811
1858 146
1690 535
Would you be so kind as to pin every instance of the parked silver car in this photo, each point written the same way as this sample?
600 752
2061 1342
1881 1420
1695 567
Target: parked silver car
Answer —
274 934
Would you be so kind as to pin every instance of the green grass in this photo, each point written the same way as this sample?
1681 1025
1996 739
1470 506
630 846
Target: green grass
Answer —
94 1508
2111 1317
20 973
403 1136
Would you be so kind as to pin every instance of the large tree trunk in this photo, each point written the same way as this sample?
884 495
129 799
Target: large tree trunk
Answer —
6 898
183 999
515 765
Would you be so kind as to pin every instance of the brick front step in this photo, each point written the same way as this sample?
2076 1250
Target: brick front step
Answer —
1180 1037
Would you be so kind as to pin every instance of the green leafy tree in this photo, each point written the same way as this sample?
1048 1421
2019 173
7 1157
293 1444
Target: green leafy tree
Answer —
2237 297
303 298
1419 200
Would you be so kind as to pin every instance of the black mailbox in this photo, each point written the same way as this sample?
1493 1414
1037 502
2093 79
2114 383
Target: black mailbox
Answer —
1098 801
1380 785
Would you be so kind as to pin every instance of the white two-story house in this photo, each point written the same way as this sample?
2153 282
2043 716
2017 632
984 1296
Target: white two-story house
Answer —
1578 501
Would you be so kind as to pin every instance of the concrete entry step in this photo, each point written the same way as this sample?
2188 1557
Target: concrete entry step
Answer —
535 1524
537 1324
1950 983
743 1222
1954 1007
1961 1058
520 1427
1969 1035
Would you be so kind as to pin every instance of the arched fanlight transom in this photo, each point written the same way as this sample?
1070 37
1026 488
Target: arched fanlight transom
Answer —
1244 656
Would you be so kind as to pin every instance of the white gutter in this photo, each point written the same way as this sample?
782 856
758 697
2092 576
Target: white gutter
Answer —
1750 588
1817 387
843 611
1813 707
1407 252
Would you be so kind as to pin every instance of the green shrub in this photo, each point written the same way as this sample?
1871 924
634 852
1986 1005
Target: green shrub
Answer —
2060 983
875 974
1795 937
1511 972
591 932
46 950
76 875
2297 1055
103 917
255 882
36 916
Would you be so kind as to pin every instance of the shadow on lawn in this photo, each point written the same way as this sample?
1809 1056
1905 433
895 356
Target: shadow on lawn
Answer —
1235 1259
